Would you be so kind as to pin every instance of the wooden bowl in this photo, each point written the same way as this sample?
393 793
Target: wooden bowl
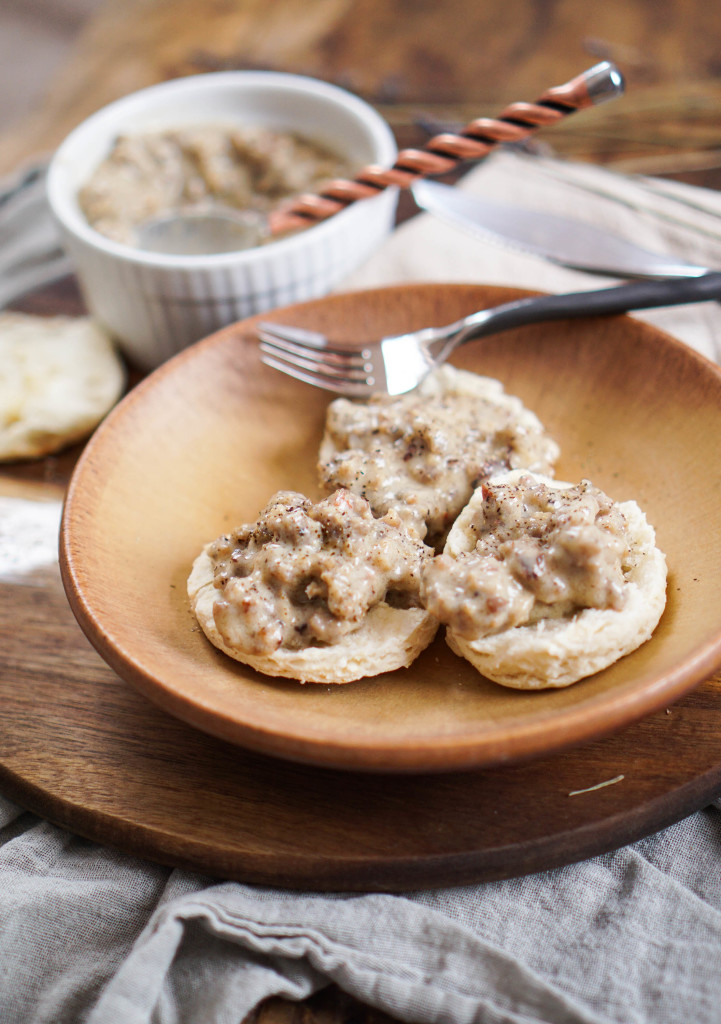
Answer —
202 443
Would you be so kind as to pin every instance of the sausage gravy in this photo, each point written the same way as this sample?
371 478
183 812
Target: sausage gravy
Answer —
538 550
424 453
306 574
198 168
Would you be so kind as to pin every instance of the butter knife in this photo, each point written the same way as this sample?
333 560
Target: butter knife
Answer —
563 240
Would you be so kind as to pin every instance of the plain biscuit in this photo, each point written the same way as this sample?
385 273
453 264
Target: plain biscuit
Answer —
59 376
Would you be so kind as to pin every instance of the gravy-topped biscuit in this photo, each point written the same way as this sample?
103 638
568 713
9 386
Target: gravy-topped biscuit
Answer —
543 583
423 453
322 592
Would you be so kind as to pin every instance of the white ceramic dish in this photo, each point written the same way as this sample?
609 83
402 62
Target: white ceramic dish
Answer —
155 304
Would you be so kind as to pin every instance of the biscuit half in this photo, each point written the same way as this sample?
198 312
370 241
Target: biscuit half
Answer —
390 638
60 376
555 652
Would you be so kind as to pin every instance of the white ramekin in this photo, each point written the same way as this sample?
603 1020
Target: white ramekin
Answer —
155 305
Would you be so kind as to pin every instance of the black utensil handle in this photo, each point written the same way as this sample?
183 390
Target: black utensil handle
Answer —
621 299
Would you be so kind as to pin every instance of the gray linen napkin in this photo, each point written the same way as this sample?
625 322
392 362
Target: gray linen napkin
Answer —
91 936
30 251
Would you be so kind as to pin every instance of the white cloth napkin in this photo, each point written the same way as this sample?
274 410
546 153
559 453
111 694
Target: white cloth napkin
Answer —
88 934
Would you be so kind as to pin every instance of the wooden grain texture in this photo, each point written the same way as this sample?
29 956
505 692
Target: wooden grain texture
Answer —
423 64
447 60
82 748
229 432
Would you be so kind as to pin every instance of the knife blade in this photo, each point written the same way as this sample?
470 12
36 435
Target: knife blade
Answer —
562 240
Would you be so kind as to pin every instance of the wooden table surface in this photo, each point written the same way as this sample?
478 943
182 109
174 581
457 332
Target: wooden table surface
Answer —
419 62
446 60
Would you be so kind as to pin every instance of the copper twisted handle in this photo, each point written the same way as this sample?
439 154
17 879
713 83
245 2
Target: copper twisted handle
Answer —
444 152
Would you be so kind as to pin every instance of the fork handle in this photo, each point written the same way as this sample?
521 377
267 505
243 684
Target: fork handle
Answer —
673 291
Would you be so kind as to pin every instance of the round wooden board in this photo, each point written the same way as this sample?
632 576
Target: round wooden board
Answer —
85 750
88 752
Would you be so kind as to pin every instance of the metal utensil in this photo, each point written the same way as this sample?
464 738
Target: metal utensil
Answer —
197 233
399 363
203 233
562 240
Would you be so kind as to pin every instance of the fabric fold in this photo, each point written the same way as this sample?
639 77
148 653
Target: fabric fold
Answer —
621 937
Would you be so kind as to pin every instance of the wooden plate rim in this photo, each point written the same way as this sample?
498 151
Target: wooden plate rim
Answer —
541 736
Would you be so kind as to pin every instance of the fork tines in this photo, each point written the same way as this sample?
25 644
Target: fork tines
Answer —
308 356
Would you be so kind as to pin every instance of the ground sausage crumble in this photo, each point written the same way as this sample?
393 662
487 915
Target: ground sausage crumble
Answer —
425 452
306 574
201 167
539 551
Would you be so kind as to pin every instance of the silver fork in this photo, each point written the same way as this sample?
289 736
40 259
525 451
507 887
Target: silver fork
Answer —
398 363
